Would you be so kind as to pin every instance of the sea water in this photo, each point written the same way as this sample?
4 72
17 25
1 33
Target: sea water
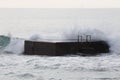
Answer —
27 24
17 67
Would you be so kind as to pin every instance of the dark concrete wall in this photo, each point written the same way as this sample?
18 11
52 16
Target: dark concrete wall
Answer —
93 48
64 48
39 48
44 48
29 48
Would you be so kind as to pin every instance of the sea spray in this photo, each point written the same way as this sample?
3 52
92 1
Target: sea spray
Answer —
16 46
114 41
96 35
35 37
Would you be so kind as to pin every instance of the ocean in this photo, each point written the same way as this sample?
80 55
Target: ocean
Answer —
22 24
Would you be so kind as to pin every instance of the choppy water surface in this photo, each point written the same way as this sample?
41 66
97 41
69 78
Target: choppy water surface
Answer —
16 67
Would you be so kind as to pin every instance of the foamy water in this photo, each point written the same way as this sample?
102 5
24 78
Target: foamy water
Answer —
14 67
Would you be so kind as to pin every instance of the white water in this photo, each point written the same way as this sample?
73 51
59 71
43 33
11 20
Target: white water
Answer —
64 23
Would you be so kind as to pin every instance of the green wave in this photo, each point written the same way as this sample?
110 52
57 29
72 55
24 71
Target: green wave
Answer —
4 41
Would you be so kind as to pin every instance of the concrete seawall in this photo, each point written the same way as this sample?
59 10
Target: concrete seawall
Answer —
65 48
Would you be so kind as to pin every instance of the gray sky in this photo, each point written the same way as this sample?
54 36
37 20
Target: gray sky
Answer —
24 22
29 21
59 3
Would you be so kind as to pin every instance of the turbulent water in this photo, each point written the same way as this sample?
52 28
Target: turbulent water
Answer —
14 67
62 24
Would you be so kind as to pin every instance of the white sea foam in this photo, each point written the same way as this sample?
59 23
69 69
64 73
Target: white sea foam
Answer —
14 67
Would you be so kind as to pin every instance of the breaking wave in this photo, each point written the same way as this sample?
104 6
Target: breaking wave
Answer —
16 45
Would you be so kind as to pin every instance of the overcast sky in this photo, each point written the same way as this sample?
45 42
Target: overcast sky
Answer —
59 3
33 20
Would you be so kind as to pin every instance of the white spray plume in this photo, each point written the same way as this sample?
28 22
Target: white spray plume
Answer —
35 37
95 34
114 41
16 46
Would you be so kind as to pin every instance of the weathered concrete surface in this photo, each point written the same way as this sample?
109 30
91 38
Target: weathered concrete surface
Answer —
64 48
